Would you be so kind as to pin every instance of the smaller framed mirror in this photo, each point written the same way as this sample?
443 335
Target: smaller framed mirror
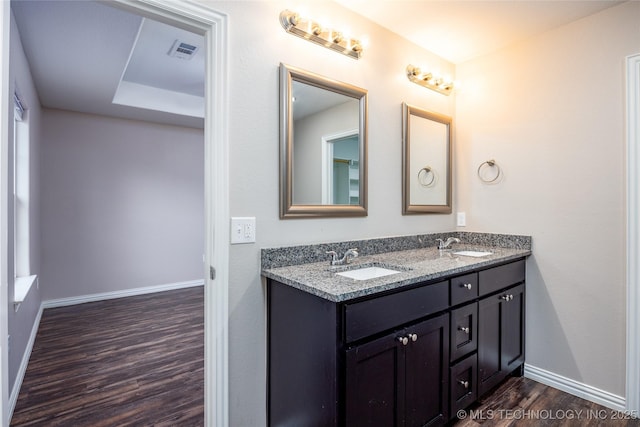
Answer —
426 161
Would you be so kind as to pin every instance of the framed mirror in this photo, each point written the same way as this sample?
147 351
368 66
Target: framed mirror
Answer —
323 146
426 161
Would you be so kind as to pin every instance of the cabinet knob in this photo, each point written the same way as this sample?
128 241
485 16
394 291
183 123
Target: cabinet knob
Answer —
403 340
464 384
465 330
467 286
413 337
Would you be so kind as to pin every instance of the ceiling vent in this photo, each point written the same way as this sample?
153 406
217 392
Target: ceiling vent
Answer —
182 50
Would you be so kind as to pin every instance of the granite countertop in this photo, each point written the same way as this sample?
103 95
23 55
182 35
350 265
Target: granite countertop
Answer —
416 265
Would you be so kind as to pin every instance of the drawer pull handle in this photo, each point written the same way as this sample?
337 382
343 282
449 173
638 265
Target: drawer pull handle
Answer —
414 337
507 297
464 384
403 340
465 330
467 286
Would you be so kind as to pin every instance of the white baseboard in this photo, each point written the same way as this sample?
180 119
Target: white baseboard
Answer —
575 388
61 302
17 384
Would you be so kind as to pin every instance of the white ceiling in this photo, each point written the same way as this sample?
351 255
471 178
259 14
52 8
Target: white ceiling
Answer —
459 30
78 50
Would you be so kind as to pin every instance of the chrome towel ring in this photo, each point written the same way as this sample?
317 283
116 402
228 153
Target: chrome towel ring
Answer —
422 177
489 164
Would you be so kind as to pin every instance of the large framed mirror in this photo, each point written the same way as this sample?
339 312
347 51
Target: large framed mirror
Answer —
426 161
323 146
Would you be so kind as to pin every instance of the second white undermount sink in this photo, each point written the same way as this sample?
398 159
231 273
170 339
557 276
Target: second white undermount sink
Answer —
367 273
475 254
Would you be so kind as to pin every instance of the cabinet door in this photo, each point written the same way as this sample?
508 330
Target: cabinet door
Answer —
427 373
512 330
390 383
488 343
375 383
500 336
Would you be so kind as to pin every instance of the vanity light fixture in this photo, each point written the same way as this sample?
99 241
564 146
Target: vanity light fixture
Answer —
316 33
429 80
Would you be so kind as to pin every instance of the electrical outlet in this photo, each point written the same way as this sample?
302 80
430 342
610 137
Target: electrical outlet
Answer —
243 230
462 219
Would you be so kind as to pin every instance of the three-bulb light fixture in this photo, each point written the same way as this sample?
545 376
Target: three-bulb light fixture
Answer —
332 39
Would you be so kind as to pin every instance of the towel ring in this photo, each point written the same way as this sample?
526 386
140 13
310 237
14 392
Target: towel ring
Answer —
423 181
492 164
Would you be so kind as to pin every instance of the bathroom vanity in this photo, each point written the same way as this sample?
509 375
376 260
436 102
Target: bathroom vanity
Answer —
410 348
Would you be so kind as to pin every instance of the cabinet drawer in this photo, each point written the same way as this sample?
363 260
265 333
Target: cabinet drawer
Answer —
379 314
464 331
496 278
464 388
464 288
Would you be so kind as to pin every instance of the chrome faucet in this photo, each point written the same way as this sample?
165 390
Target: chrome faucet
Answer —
346 259
445 244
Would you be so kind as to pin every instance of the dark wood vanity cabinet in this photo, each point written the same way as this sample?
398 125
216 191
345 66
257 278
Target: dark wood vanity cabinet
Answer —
501 336
410 357
400 379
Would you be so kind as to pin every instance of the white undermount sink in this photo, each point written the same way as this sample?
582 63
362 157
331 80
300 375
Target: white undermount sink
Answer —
476 254
367 273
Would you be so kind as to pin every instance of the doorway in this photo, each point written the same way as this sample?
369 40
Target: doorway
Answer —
213 26
341 168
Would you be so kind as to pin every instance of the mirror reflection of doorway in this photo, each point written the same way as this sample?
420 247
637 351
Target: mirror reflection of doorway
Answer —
344 169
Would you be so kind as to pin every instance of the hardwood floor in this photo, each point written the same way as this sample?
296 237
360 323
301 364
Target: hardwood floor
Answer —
122 362
520 402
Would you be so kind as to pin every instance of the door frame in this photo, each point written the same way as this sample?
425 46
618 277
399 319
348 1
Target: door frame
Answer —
327 162
633 233
213 25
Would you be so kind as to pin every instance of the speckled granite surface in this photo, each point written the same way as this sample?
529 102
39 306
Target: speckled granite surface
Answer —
307 267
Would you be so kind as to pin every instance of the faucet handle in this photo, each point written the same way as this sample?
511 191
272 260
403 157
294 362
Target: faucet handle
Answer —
334 256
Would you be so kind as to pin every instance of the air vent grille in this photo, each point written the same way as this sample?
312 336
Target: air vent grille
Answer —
182 50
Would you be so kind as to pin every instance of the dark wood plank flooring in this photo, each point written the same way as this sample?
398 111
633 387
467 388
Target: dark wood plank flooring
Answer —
123 362
521 401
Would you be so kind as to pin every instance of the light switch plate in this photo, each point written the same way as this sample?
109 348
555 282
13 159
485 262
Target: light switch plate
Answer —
243 230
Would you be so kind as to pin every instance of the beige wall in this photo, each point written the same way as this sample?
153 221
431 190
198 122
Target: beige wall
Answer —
122 204
550 111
